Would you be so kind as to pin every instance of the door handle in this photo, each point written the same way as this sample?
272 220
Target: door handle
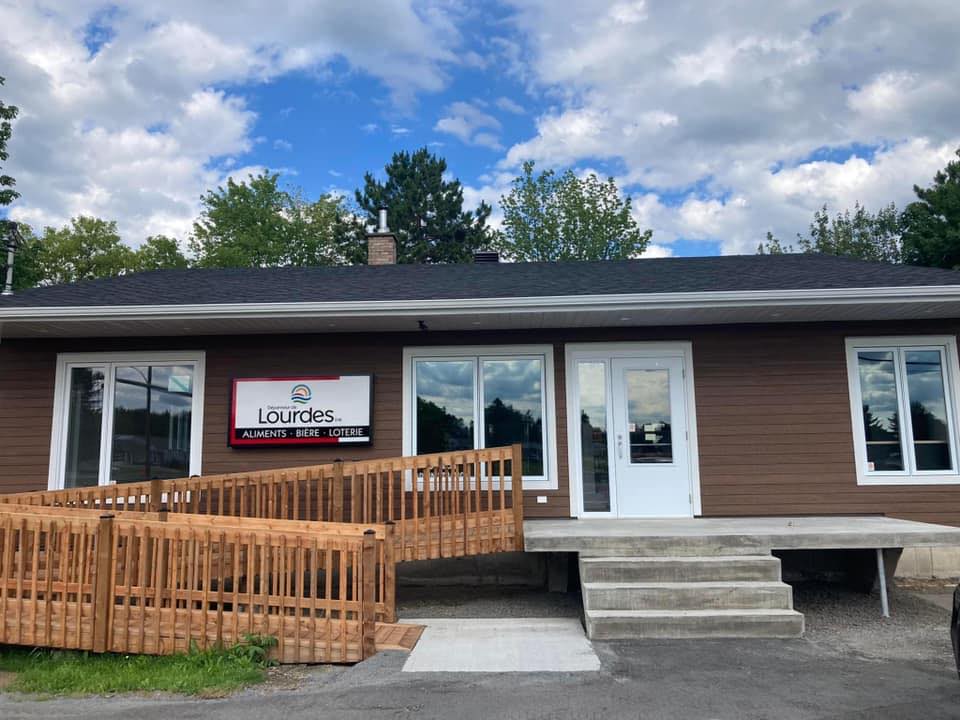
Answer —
620 445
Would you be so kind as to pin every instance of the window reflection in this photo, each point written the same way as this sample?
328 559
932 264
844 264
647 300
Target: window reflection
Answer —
84 425
594 467
648 416
445 405
881 423
513 408
928 410
151 423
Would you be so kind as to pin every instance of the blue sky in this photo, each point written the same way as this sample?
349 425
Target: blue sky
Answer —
722 121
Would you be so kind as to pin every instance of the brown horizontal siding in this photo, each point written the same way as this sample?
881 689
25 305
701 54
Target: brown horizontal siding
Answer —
772 409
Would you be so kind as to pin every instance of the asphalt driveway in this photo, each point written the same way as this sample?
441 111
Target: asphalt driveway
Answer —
666 679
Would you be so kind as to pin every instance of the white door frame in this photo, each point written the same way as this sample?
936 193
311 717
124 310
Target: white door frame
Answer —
576 352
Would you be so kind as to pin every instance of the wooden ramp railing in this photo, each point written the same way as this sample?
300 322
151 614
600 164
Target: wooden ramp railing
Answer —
142 583
442 505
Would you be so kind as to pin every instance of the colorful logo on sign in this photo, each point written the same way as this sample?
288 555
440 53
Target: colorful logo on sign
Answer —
301 394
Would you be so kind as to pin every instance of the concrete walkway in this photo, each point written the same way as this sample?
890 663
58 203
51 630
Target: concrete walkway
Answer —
484 645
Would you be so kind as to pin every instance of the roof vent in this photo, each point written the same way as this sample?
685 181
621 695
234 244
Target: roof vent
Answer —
486 256
12 239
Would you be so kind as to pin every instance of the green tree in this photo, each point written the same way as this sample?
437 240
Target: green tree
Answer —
931 224
158 252
860 234
85 249
563 217
7 113
27 272
425 210
255 223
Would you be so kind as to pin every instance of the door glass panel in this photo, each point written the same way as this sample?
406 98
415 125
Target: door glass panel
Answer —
513 408
594 470
648 416
84 426
928 409
881 422
152 415
445 405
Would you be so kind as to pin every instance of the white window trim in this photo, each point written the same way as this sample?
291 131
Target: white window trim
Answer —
489 352
946 343
606 352
65 361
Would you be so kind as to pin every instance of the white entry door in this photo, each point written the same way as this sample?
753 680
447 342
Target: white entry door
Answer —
650 437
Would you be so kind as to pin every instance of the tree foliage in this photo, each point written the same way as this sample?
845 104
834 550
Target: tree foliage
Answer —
159 252
425 210
931 224
255 223
860 234
563 217
7 113
85 249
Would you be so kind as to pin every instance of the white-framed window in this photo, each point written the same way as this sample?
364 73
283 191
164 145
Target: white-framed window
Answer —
903 402
126 417
460 398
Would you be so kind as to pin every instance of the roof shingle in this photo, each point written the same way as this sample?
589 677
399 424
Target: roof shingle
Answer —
483 280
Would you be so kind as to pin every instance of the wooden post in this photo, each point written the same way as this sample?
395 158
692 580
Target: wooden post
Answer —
368 595
516 484
103 593
337 492
390 573
156 492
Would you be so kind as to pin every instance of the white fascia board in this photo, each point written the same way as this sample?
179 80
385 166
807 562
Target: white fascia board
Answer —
562 303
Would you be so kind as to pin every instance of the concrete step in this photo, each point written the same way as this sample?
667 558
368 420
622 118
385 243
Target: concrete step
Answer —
666 546
693 568
649 624
714 595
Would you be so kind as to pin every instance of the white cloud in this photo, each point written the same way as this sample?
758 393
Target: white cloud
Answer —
137 127
470 124
510 106
696 106
657 251
281 144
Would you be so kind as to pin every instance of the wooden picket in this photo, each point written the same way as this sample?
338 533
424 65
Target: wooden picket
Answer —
137 584
442 505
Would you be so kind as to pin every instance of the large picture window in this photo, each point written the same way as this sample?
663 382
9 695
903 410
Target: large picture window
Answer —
902 393
123 418
465 398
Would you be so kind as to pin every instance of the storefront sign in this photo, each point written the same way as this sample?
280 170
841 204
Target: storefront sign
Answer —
321 410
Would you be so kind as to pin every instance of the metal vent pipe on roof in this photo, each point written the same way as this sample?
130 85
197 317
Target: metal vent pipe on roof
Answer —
12 241
382 220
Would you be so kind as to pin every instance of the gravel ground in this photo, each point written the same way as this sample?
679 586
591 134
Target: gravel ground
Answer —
848 621
484 602
838 619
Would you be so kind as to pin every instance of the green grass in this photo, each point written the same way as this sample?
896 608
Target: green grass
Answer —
210 673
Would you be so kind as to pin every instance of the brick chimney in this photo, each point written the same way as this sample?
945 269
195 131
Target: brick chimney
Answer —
381 243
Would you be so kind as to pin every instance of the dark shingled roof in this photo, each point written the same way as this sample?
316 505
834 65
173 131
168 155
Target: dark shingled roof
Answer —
482 280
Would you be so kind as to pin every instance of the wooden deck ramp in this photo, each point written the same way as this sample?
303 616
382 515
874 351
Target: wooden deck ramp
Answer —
305 555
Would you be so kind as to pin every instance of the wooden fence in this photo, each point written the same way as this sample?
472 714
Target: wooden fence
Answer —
442 505
142 583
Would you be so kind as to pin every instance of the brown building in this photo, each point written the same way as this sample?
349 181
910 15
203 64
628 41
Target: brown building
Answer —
754 385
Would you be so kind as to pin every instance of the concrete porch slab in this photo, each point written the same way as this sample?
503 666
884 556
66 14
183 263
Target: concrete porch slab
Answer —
496 645
747 533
